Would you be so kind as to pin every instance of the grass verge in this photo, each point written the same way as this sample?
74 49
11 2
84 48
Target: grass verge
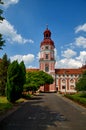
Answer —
79 98
5 105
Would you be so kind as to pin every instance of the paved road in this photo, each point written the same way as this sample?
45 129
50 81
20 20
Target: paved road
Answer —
46 112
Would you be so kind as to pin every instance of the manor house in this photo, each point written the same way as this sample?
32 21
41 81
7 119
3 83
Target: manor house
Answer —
64 79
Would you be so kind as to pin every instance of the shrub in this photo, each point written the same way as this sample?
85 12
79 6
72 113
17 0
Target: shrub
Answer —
78 98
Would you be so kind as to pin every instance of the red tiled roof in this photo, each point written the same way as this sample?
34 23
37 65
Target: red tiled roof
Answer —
32 70
61 71
47 42
68 71
83 67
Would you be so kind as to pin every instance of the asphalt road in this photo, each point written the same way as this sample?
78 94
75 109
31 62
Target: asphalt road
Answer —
46 112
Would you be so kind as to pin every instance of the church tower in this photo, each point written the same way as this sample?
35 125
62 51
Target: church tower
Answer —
47 57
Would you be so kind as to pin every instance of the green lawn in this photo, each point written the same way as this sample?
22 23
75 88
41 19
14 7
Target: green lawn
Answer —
79 98
5 105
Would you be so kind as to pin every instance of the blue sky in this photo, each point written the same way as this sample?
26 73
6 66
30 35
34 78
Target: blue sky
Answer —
24 24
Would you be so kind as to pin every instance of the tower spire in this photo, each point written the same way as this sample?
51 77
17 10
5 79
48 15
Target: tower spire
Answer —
47 26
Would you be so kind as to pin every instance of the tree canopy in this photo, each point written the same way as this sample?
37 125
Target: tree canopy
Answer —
81 83
36 79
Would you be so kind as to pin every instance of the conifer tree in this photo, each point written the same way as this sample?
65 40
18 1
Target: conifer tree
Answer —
3 73
23 73
15 81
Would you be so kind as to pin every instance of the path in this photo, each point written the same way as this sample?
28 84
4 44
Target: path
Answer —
46 112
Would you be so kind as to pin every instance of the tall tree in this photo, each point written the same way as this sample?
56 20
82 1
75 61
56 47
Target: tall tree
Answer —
3 73
15 81
81 83
1 19
23 73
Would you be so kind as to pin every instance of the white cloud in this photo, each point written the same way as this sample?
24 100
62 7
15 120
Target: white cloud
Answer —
31 67
29 58
55 54
81 41
82 57
71 60
7 3
9 31
38 56
80 28
68 63
72 63
68 53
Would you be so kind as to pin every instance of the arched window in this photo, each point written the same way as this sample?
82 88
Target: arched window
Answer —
46 56
71 81
46 68
72 87
63 81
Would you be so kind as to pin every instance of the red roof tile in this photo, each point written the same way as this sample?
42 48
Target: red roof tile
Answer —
32 70
68 71
47 42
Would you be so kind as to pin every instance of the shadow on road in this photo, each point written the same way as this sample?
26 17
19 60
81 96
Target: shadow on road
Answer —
34 115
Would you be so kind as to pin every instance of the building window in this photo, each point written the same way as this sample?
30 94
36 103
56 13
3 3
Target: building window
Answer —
46 68
63 87
46 47
46 56
72 81
72 87
63 81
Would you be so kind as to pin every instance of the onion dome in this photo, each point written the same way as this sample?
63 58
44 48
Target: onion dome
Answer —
47 38
47 34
